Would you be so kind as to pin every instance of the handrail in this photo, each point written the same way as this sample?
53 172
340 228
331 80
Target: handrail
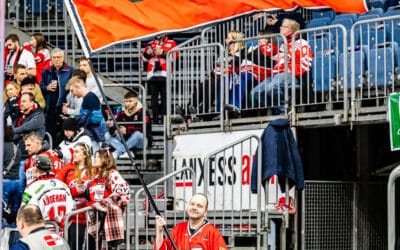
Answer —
259 153
391 203
154 183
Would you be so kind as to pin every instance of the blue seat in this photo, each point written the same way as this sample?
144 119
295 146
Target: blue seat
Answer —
37 6
375 35
396 8
377 10
381 67
392 12
346 22
367 16
318 22
359 70
377 4
352 16
319 41
324 71
395 48
323 13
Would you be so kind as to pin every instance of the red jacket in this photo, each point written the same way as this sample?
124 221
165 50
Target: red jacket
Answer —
67 175
151 60
31 162
207 238
303 57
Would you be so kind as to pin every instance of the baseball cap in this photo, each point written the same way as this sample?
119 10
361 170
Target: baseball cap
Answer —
43 163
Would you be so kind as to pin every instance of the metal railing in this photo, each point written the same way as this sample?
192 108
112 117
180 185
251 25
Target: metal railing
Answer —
391 207
144 228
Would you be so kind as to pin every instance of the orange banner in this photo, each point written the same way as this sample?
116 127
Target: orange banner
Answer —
101 23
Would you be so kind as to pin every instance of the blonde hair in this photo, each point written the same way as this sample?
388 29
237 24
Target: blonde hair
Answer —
73 80
16 86
294 26
237 36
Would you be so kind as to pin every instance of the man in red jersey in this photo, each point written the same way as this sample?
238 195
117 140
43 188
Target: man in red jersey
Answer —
196 233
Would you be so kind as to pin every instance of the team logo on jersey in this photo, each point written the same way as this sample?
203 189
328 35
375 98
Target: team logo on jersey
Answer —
53 183
53 240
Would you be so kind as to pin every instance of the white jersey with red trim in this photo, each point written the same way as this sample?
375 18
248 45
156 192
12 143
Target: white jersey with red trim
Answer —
52 196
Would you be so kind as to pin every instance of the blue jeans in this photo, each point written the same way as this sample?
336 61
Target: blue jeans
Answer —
271 92
134 141
14 189
238 86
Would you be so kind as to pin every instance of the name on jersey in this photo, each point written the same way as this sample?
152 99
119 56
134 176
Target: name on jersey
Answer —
48 199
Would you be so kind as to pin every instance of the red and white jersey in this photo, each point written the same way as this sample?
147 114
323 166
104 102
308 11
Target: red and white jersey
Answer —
30 164
302 57
207 237
52 196
166 44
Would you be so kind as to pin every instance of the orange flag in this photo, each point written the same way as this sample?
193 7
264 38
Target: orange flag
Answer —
102 23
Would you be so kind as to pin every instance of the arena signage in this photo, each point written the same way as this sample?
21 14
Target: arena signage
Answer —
227 173
394 114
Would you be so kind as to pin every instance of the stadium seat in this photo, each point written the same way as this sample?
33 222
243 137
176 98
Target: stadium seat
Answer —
324 13
396 8
352 16
346 22
396 52
324 71
319 41
377 4
367 16
359 71
318 22
381 66
392 12
37 7
378 34
378 11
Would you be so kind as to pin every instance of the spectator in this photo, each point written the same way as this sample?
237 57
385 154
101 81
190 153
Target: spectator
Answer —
12 193
20 73
31 120
90 80
30 85
73 134
109 193
11 98
271 91
36 146
16 54
154 54
34 234
51 195
73 106
236 53
54 81
196 233
41 53
131 127
76 175
91 116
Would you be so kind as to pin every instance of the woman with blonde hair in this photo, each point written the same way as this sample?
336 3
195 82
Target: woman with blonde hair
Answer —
236 49
11 99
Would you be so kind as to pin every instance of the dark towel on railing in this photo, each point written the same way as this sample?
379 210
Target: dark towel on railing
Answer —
280 156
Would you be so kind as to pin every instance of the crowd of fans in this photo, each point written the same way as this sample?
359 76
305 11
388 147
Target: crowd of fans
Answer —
55 155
